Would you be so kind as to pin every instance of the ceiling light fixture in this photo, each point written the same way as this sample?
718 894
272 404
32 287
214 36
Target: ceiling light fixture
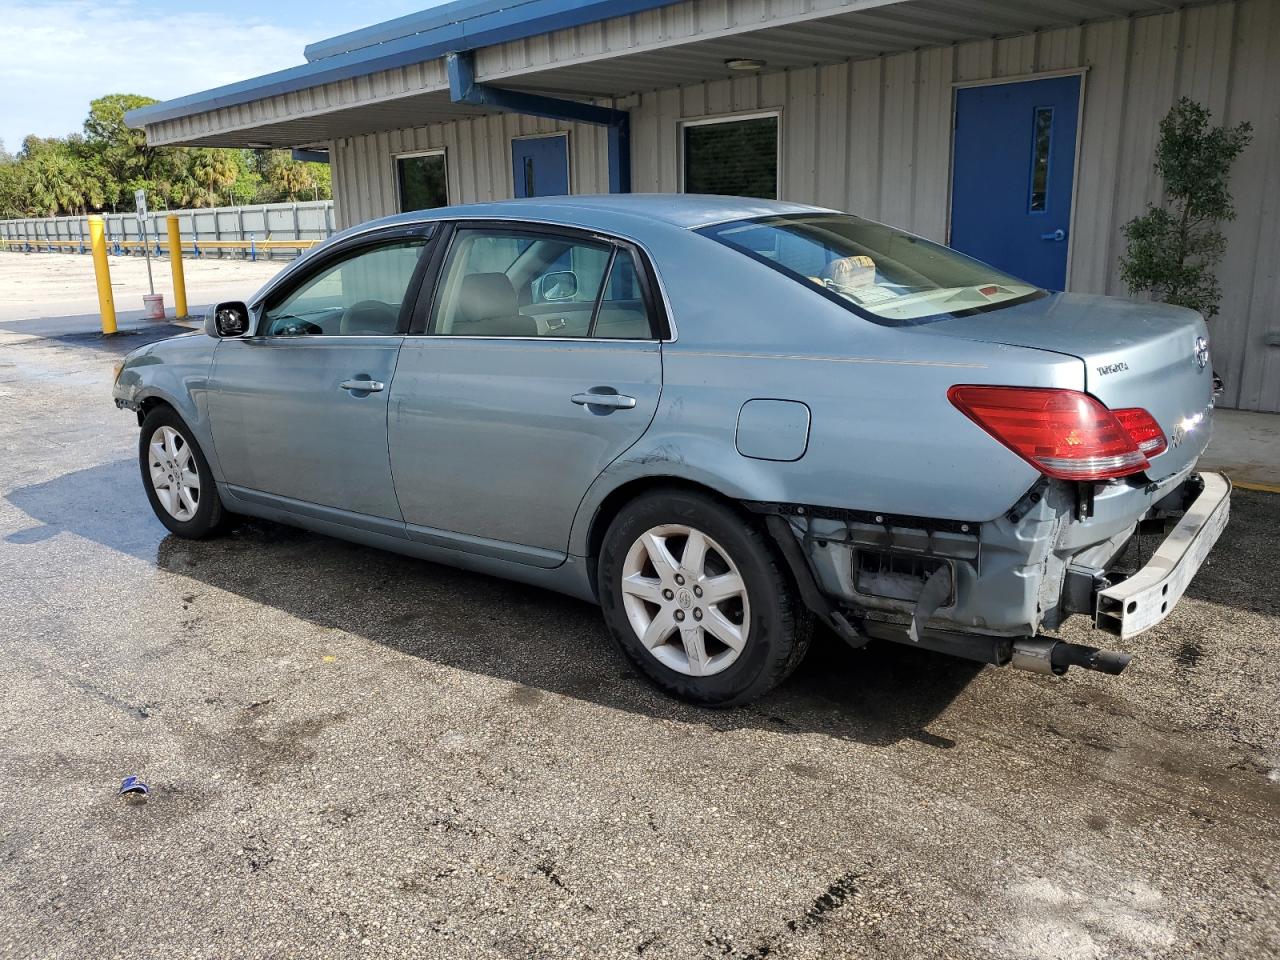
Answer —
744 63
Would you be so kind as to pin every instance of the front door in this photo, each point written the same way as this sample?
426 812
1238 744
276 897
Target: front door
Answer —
1015 153
540 366
540 166
298 410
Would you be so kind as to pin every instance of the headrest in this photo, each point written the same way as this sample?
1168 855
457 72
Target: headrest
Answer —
369 317
484 296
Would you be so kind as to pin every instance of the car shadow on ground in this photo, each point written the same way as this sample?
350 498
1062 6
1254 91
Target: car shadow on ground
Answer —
879 695
84 330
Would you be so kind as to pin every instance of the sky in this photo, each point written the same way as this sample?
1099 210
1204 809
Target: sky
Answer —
57 55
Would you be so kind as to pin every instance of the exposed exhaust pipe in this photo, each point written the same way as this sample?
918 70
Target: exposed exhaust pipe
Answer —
1041 655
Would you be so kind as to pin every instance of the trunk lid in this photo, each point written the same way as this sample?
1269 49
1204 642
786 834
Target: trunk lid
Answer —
1135 354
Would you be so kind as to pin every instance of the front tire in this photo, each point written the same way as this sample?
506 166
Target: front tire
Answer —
177 477
698 599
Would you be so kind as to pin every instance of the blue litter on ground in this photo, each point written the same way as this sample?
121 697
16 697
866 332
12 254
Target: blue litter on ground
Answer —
132 785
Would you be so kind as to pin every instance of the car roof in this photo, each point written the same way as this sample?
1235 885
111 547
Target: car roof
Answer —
677 209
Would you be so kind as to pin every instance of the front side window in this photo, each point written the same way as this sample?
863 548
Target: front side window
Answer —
878 272
423 183
736 158
498 283
358 295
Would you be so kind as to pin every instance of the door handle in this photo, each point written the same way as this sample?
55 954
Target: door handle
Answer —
615 401
363 386
1057 236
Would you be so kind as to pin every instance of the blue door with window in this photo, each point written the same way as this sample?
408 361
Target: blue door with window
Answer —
1015 157
540 166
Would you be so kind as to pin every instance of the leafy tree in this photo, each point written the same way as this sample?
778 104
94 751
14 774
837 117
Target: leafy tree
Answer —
102 168
124 152
1172 249
284 178
58 177
214 172
13 192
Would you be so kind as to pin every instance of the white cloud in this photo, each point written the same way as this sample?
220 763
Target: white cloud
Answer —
57 56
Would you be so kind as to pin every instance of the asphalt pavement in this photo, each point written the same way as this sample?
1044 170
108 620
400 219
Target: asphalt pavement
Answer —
355 754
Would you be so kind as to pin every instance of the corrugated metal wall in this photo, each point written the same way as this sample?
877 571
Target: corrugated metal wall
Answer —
477 162
874 137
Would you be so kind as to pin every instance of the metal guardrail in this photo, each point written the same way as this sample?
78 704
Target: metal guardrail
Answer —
267 230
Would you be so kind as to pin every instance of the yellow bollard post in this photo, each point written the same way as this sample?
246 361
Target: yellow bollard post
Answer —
98 244
175 262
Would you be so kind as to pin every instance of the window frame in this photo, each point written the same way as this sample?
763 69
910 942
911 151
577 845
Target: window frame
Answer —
442 153
661 329
355 246
721 118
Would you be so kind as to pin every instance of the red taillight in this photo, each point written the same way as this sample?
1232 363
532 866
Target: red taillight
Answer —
1144 430
1063 433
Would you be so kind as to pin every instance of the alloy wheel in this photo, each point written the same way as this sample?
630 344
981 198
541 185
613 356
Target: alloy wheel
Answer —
686 600
174 474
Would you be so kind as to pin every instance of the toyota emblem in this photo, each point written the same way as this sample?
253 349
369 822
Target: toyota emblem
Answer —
1202 352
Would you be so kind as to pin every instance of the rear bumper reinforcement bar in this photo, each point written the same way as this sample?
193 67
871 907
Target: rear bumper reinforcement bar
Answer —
1140 602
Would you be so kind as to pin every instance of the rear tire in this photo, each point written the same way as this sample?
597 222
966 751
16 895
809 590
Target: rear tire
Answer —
699 600
177 477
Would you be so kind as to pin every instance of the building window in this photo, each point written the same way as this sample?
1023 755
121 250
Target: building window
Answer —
422 181
737 157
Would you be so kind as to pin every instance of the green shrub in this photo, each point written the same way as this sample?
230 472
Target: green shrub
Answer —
1172 249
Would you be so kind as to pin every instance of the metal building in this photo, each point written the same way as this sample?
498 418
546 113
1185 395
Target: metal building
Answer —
1021 132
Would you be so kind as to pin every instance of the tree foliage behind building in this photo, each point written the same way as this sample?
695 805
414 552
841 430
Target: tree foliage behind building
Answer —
1173 248
101 168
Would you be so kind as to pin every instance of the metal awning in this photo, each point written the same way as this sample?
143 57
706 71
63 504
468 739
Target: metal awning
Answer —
392 76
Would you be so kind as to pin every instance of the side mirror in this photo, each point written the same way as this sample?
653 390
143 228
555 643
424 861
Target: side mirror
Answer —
230 319
561 285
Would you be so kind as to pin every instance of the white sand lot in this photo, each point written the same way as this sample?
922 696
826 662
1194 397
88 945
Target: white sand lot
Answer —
62 284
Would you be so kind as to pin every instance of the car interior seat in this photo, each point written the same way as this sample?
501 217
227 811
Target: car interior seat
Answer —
486 307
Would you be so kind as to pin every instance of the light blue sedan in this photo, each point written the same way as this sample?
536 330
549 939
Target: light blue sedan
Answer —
721 419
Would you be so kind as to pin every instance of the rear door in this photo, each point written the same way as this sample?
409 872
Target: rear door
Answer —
538 363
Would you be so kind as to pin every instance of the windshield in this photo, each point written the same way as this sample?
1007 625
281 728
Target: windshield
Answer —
878 272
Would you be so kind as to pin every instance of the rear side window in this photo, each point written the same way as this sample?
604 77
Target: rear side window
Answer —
622 313
499 283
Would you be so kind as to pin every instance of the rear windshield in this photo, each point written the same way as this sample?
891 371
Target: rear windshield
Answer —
878 272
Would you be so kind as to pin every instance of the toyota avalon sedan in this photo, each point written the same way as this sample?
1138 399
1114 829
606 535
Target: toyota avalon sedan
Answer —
722 420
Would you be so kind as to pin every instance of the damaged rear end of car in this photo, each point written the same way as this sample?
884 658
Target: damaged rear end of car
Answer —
1102 406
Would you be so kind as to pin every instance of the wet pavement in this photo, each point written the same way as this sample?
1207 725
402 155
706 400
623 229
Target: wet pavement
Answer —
354 754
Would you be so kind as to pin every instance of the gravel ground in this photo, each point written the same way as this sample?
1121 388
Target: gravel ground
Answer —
354 754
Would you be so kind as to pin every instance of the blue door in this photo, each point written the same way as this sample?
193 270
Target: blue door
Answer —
1015 156
540 166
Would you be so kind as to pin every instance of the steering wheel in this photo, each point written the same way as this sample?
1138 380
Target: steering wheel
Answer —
291 326
369 317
